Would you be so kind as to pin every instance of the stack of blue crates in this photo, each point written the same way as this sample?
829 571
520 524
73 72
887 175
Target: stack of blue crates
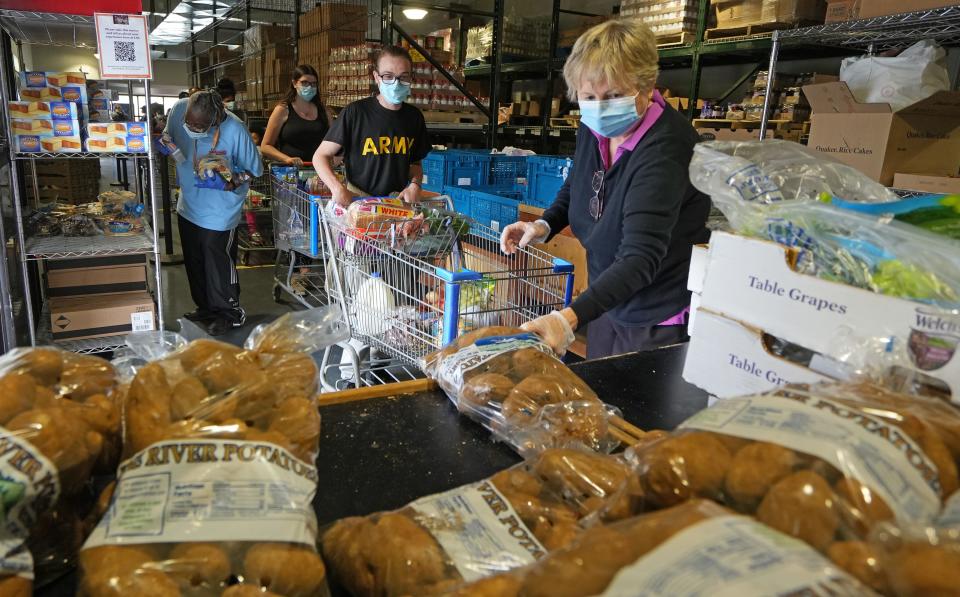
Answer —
490 187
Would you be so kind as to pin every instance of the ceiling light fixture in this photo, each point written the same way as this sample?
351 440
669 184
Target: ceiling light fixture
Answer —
414 14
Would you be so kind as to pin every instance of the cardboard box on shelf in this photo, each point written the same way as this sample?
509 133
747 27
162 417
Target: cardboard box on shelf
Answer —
881 8
751 281
40 79
923 138
117 143
43 110
742 13
948 185
47 143
727 358
258 37
77 318
842 10
83 277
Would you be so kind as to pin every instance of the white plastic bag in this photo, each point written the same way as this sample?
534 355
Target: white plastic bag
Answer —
916 74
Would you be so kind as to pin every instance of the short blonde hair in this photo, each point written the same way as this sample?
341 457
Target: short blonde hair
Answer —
619 51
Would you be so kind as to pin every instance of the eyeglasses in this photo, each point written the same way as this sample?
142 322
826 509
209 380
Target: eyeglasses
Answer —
596 202
390 78
307 84
196 130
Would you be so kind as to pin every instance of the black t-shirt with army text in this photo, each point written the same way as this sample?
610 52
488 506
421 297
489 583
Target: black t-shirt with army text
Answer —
378 144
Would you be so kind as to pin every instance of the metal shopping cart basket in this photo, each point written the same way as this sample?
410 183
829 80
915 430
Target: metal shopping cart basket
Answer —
409 286
300 268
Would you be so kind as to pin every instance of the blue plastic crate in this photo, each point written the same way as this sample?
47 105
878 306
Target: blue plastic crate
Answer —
461 199
493 211
433 166
507 169
456 168
545 176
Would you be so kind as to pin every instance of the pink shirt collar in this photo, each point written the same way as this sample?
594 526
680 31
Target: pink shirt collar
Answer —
650 117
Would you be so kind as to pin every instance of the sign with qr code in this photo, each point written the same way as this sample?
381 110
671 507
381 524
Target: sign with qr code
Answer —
123 46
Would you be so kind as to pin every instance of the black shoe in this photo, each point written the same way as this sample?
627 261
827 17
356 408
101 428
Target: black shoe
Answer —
219 327
199 316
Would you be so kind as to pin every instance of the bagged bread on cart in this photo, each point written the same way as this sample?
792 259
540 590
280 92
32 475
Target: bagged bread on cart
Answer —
60 424
824 464
510 381
214 495
694 548
506 521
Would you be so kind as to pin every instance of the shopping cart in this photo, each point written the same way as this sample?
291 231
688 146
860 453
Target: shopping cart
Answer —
410 286
300 268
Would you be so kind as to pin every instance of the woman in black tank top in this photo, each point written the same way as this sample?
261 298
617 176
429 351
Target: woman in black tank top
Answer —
298 123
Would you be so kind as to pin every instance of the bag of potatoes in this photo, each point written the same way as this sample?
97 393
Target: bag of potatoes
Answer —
824 464
59 424
215 495
510 381
695 548
511 519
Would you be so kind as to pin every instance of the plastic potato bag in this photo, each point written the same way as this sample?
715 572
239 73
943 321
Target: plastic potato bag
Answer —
59 423
824 464
509 520
511 382
696 548
909 561
214 497
779 202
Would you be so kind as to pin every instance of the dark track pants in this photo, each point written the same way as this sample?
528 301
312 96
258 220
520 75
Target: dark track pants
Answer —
210 258
606 337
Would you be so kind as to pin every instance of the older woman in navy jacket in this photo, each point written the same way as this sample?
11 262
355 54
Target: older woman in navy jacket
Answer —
627 198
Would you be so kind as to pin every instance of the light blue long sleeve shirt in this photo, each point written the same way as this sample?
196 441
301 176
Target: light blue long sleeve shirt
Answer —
209 208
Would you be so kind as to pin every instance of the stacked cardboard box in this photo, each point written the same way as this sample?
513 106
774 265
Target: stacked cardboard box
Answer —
664 17
847 10
523 37
743 13
326 28
568 37
69 181
100 296
52 112
277 66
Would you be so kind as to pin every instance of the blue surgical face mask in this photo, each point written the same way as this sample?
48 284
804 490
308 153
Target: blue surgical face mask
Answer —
611 117
395 92
194 134
307 93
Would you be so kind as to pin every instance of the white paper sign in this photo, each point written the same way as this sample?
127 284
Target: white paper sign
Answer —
123 46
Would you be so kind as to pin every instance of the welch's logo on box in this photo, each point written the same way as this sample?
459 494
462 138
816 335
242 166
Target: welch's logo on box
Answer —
934 337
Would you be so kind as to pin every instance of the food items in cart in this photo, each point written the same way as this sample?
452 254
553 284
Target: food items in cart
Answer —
827 464
219 479
59 422
510 381
695 548
506 521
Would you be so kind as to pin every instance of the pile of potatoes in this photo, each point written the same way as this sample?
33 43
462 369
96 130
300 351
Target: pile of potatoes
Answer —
554 494
593 561
212 390
797 493
67 407
525 396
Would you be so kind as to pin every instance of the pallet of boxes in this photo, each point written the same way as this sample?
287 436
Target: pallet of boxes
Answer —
257 40
673 21
749 17
326 29
73 181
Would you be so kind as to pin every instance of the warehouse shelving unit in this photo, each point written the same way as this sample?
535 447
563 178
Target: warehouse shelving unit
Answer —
43 28
866 36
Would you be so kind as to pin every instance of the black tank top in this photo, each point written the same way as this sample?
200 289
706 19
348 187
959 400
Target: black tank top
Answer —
299 138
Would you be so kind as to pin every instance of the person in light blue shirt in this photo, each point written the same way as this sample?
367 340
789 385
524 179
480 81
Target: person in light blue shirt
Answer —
200 126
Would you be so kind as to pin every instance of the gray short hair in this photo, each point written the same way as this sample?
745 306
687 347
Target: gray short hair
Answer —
209 103
620 51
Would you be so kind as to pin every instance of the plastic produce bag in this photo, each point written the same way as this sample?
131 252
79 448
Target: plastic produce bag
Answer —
60 418
509 520
510 382
903 80
216 489
869 252
696 548
824 464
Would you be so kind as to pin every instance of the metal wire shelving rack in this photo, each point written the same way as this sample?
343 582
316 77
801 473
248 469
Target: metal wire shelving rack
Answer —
45 28
871 35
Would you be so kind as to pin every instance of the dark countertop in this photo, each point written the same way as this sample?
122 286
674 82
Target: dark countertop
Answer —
382 453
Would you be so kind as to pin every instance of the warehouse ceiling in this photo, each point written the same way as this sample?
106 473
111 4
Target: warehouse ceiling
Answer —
187 17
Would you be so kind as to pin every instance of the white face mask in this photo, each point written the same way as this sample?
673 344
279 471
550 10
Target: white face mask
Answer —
230 105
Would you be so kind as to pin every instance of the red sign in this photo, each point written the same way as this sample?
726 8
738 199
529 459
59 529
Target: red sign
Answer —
72 7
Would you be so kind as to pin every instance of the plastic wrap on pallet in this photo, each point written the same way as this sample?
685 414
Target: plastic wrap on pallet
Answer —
508 520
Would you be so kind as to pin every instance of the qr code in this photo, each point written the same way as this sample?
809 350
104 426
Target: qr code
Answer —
125 51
